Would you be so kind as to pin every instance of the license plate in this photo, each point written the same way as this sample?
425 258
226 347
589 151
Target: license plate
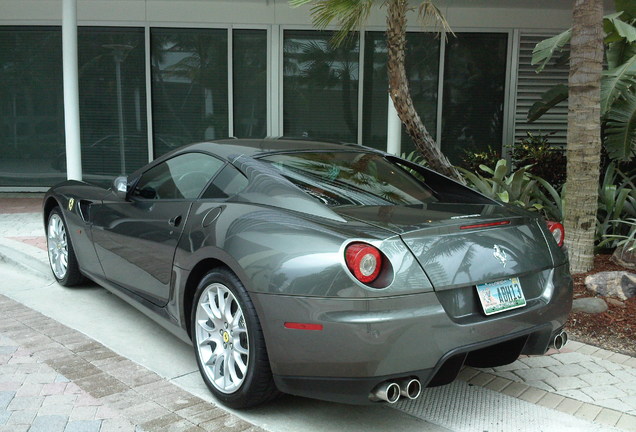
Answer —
501 296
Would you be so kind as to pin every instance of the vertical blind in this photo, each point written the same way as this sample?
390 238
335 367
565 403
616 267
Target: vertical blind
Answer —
530 87
474 86
320 86
189 86
249 83
112 94
31 106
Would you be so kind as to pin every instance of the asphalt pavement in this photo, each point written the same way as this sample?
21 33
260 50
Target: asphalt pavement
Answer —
83 360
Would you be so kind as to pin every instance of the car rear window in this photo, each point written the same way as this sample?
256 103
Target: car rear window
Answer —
351 178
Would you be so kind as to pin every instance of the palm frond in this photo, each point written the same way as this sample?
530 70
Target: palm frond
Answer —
545 49
615 28
618 53
628 7
550 98
349 15
620 129
429 14
617 83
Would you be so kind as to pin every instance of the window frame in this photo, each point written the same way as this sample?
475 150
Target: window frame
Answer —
139 176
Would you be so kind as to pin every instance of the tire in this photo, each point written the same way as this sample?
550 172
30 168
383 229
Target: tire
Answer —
228 342
62 258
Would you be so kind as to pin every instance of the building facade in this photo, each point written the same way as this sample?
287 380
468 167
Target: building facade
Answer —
157 74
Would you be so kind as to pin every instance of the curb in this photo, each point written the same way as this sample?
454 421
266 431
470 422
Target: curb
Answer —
14 253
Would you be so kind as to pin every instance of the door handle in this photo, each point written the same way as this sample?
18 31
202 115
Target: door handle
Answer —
175 221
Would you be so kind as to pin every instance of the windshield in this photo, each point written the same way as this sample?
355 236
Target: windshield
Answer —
351 178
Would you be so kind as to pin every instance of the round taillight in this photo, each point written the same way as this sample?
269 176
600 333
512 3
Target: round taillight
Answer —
364 261
557 230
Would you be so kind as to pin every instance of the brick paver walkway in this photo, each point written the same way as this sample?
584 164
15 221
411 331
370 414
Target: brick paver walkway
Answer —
582 380
54 378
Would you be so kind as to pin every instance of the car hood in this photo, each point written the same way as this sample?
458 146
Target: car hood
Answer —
464 244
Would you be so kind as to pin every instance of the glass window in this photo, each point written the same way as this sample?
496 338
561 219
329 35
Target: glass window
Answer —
422 68
229 182
474 86
31 107
181 177
249 68
189 86
351 178
320 86
112 89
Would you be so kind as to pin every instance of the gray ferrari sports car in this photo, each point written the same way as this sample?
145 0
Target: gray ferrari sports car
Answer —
324 270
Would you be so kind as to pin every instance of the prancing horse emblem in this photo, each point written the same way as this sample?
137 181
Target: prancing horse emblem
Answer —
500 255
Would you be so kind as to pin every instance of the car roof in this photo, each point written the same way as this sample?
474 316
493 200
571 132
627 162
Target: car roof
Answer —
255 147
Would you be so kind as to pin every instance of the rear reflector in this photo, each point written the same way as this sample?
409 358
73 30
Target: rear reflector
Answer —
303 326
484 225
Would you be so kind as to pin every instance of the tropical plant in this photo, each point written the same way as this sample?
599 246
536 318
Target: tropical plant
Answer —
472 159
414 157
617 201
551 199
618 92
627 241
519 187
548 162
351 15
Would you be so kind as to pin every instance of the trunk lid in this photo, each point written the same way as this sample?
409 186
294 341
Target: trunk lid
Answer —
458 245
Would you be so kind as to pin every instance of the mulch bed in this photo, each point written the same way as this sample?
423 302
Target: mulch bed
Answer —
614 329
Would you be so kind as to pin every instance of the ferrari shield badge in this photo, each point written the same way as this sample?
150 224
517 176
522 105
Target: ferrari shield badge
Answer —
71 203
500 255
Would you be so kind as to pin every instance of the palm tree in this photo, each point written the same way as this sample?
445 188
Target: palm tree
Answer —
584 132
351 15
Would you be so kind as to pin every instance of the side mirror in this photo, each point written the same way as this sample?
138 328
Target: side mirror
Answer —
120 187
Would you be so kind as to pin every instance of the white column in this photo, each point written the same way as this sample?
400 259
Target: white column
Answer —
393 131
71 90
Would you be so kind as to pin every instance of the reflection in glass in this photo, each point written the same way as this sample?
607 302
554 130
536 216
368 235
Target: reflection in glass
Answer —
422 68
189 86
249 67
473 93
31 106
112 102
320 86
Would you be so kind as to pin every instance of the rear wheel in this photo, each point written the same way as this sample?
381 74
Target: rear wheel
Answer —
60 249
228 342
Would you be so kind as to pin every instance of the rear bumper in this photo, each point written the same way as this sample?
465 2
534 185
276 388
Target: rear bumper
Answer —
367 341
357 390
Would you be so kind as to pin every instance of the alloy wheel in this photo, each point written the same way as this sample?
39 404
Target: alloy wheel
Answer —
221 338
57 246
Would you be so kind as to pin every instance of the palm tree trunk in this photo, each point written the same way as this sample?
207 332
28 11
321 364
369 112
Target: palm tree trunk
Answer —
399 91
584 133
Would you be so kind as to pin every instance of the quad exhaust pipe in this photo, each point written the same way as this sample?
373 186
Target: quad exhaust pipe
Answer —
410 388
560 340
391 391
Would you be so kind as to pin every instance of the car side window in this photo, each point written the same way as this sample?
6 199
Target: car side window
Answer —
230 181
181 177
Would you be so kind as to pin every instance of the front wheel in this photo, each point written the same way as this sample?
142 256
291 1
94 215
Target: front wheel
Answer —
60 250
229 343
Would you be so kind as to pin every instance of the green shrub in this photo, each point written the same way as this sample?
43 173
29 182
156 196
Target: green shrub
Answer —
548 162
472 159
